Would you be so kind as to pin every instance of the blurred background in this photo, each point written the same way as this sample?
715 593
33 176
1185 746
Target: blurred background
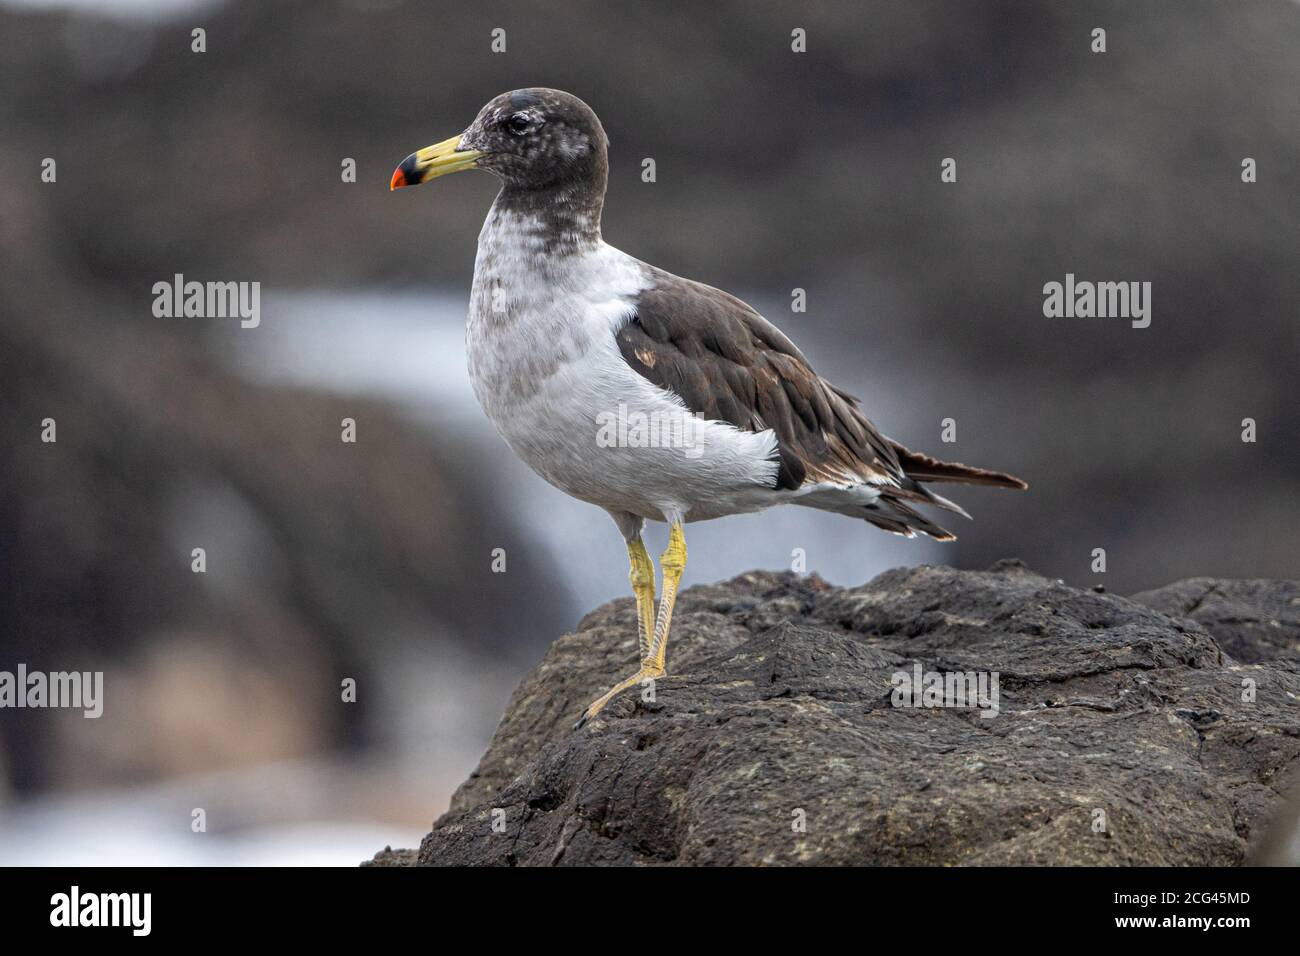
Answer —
775 171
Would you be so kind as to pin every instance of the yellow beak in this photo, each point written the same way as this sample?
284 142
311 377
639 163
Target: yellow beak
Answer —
432 162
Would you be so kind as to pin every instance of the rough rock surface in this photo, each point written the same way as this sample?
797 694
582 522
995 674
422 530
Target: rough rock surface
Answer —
1252 620
1122 736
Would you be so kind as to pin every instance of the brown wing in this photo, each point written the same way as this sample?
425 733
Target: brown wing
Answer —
922 467
728 363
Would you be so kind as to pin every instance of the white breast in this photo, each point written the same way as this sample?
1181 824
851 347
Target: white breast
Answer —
546 368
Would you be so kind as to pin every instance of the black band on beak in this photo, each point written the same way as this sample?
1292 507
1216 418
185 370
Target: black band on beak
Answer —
406 173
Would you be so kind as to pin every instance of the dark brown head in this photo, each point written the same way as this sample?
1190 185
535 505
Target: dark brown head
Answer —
533 139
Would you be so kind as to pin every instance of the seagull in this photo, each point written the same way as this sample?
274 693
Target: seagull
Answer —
654 397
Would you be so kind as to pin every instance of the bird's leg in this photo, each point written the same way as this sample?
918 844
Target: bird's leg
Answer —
642 576
597 705
673 561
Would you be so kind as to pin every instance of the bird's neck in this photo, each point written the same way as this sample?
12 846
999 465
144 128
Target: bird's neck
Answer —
536 244
554 220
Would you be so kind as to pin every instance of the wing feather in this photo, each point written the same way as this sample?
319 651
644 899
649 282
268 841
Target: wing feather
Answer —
730 364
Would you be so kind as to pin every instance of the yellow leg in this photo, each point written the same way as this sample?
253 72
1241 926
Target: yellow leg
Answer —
597 705
673 562
642 576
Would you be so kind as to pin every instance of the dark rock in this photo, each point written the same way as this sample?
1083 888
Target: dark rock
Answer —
1252 621
390 857
1121 735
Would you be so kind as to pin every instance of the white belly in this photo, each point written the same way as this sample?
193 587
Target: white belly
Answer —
547 370
601 433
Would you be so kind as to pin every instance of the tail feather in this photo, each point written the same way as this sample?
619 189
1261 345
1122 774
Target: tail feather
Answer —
939 501
912 490
890 506
922 467
890 513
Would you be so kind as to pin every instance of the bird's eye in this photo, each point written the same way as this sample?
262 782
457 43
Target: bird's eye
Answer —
518 123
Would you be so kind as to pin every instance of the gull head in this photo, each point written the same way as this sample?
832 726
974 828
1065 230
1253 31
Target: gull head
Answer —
530 139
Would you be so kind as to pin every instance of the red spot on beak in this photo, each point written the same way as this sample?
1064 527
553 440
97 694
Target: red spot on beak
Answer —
398 180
